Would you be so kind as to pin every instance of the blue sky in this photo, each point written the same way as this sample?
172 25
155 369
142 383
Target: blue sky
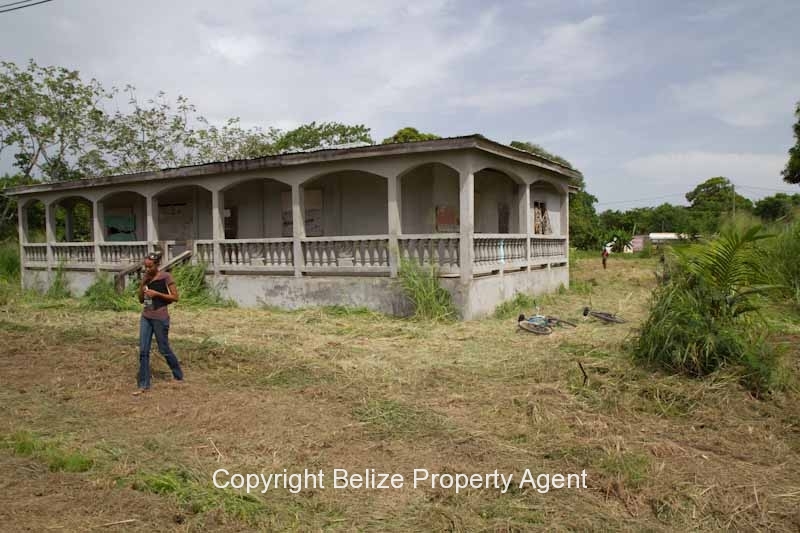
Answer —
646 98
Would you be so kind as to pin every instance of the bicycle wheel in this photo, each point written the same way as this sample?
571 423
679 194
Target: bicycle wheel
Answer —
535 328
607 317
555 321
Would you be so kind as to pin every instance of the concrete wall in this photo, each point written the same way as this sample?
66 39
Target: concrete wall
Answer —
484 294
40 280
184 214
258 208
493 189
378 294
353 203
541 192
474 300
422 190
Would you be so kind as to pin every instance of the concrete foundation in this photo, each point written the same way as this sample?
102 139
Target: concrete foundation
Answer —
476 299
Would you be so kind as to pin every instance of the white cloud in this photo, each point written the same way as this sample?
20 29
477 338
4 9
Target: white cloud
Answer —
563 58
239 50
686 169
739 98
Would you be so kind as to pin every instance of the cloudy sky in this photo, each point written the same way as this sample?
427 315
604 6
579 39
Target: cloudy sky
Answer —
646 98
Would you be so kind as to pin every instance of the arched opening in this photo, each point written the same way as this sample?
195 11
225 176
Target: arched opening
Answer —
497 197
547 208
184 214
33 212
123 217
429 197
72 220
258 208
346 203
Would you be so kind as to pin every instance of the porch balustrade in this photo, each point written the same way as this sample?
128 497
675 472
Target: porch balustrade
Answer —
358 254
263 253
117 253
495 251
332 255
439 250
546 249
34 253
74 253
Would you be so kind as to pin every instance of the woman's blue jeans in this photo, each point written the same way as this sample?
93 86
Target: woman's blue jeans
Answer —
148 327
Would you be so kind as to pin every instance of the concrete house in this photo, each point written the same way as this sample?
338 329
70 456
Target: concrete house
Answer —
323 227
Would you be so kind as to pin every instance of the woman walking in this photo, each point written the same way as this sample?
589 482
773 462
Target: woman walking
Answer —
156 291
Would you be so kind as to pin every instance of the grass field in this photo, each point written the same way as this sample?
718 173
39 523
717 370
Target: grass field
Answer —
340 388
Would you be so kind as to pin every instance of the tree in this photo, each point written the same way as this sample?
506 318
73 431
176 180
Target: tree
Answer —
408 135
323 135
710 200
791 174
778 206
51 118
541 152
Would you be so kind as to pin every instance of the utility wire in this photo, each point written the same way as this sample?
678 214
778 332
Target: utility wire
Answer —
21 7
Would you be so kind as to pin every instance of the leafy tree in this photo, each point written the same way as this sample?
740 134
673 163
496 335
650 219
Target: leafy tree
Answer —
541 152
231 141
408 134
778 206
51 118
8 205
791 174
710 200
323 135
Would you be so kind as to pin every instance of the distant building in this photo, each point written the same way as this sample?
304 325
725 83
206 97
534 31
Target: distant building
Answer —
666 238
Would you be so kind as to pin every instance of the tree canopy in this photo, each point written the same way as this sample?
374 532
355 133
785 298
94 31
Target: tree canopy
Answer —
408 134
58 129
541 152
791 174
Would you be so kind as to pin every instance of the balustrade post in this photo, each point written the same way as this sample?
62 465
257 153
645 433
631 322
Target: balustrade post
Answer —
526 220
49 231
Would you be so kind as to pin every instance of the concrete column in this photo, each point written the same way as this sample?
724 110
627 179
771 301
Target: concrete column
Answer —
525 219
466 223
22 227
394 224
98 235
298 228
49 231
217 227
565 219
151 208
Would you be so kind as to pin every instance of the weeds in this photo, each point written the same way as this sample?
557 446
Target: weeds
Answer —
59 287
421 285
700 320
194 290
9 261
519 304
102 296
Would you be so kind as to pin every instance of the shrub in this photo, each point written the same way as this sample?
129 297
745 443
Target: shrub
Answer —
700 319
193 288
102 296
519 304
421 285
9 261
59 287
781 261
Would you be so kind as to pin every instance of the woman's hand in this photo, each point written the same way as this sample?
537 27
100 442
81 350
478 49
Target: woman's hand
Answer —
151 293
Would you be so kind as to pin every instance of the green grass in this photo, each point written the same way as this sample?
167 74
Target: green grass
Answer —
390 418
521 303
195 290
26 444
421 286
102 296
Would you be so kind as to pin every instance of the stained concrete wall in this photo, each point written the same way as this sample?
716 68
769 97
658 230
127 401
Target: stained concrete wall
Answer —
353 203
474 300
422 190
258 208
40 280
546 193
493 189
184 214
484 294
